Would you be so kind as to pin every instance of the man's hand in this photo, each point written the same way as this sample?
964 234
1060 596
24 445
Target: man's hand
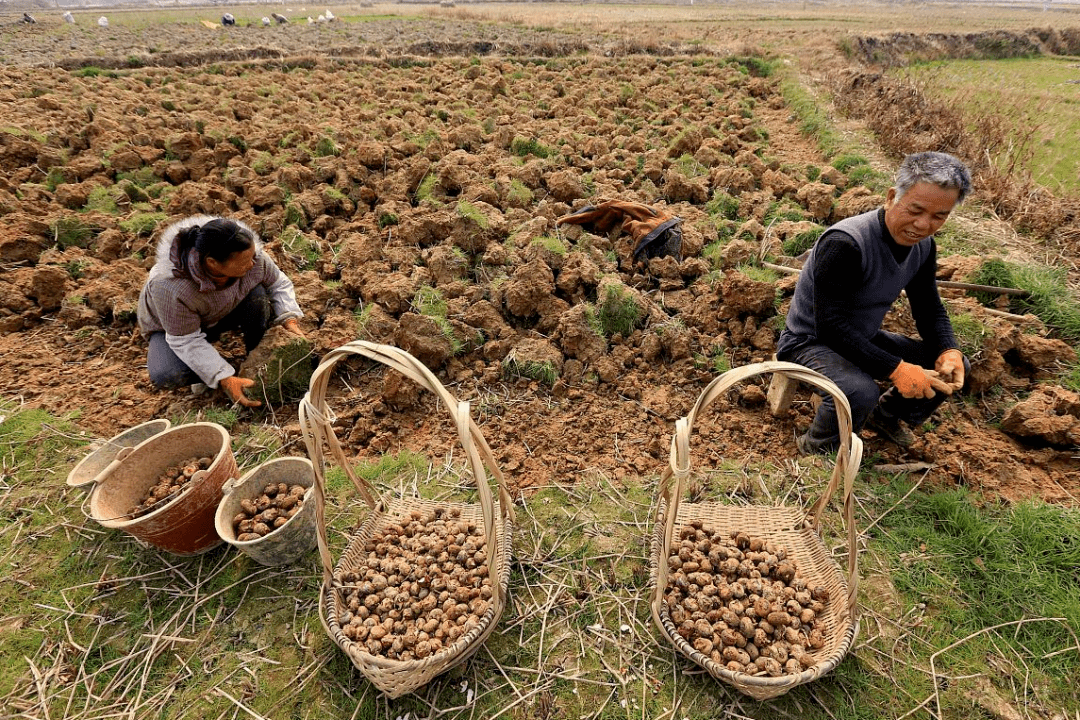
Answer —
913 381
293 326
950 366
234 388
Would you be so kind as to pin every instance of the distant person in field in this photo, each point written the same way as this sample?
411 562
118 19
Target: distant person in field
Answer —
211 275
854 273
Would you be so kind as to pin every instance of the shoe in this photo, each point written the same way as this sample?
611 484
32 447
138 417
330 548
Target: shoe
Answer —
890 428
806 446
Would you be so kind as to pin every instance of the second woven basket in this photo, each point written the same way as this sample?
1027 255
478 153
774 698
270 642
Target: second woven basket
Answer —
397 677
792 528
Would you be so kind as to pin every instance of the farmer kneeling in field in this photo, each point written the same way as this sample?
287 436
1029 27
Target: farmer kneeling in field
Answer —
854 273
210 275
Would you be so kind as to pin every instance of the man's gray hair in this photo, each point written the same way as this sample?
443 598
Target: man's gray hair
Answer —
938 168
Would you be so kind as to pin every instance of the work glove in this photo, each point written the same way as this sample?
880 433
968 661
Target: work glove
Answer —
950 366
234 388
913 381
656 233
293 326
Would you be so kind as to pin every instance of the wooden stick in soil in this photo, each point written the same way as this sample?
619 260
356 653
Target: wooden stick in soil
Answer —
941 283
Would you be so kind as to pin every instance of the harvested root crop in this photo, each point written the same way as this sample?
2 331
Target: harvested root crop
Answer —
423 584
741 602
170 484
260 516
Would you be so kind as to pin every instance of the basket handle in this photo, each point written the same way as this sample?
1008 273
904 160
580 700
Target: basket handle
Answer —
848 458
315 422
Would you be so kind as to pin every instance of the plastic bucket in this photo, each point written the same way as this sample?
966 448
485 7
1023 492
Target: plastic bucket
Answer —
288 543
185 525
94 466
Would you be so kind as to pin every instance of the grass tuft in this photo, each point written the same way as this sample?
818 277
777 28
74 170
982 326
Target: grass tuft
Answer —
1050 297
542 372
430 303
70 231
616 312
287 375
529 146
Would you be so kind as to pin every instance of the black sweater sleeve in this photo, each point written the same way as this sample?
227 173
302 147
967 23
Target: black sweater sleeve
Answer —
931 318
836 261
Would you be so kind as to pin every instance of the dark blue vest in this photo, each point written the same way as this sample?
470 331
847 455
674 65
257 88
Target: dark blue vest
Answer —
874 292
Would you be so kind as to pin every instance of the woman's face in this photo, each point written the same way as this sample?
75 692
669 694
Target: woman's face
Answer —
234 266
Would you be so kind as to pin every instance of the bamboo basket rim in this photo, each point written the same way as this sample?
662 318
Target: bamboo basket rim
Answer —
805 522
395 677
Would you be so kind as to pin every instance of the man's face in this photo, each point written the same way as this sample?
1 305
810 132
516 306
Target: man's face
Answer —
918 213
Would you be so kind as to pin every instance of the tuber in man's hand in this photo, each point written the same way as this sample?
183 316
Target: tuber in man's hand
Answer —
913 381
950 366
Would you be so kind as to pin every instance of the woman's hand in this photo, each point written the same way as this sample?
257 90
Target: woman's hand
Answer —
293 326
234 388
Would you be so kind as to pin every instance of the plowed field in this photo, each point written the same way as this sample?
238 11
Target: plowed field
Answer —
393 161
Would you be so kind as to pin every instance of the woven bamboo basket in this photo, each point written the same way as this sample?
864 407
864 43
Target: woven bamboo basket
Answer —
795 529
397 677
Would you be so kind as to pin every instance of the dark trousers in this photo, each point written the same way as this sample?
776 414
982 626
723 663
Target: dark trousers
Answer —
251 318
862 391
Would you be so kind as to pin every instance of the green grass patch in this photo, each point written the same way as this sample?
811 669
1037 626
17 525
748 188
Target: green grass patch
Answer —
72 231
102 199
975 567
521 147
689 166
722 206
616 312
868 177
225 417
362 313
425 191
938 571
295 216
1050 297
519 194
326 147
753 65
551 244
542 372
472 213
143 223
845 163
784 210
286 375
758 273
813 119
143 177
304 250
970 333
54 177
799 243
94 71
430 303
1039 96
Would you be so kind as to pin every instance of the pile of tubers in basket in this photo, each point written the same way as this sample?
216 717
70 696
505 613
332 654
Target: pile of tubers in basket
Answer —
741 602
418 586
170 484
258 517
